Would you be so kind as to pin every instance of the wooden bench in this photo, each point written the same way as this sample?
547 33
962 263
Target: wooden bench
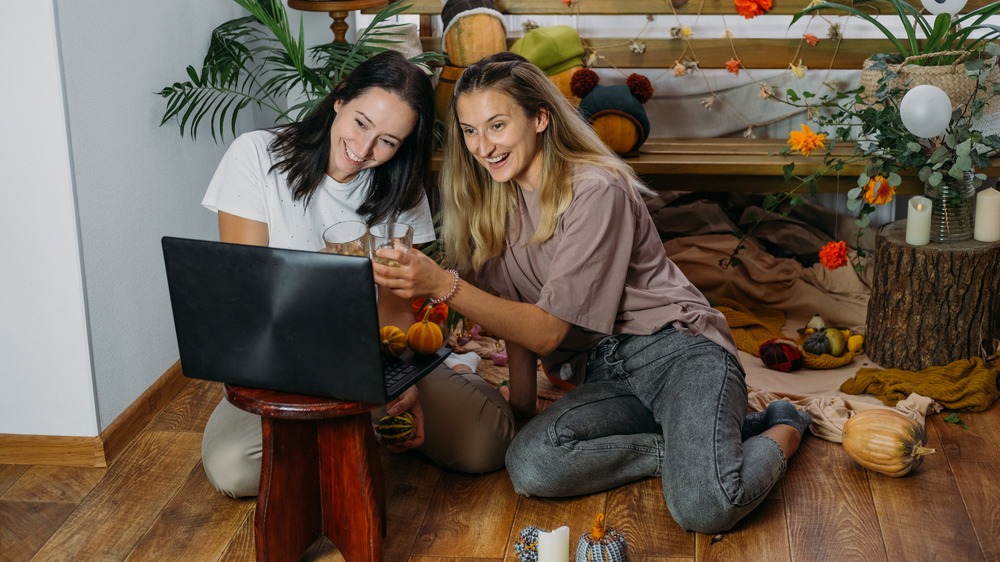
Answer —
703 164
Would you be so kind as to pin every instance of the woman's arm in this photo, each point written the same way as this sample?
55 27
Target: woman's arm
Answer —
517 323
238 230
523 393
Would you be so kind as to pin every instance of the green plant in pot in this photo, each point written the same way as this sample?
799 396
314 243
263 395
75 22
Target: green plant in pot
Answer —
258 59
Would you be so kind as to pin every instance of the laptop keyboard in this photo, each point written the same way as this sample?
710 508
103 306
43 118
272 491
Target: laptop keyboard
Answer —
397 371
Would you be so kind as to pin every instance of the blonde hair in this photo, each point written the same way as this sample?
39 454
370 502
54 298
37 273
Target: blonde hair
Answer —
477 211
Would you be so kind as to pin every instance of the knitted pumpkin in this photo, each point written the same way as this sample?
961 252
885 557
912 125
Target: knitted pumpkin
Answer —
397 429
526 544
601 544
615 112
781 355
425 337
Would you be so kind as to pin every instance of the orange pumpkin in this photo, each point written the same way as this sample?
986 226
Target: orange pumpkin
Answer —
445 87
474 36
621 132
393 340
425 337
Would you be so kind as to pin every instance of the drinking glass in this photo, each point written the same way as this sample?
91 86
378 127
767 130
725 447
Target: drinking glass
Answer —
349 238
395 235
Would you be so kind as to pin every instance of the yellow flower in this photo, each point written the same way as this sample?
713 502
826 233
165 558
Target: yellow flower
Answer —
686 32
798 69
728 34
805 141
878 191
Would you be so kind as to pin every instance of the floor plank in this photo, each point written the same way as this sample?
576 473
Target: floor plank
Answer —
759 536
468 515
9 473
551 513
977 442
197 524
241 548
640 513
26 526
831 515
115 515
48 483
981 493
190 410
908 505
410 482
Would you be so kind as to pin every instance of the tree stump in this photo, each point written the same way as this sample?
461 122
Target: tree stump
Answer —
931 305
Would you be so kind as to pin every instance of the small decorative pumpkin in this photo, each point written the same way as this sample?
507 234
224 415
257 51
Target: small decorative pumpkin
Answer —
601 544
780 354
885 441
855 343
616 113
425 337
393 340
817 343
395 430
526 544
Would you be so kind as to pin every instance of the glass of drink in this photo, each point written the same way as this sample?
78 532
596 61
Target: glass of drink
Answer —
348 238
395 235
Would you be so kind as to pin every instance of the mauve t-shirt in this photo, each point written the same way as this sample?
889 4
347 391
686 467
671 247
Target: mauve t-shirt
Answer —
604 271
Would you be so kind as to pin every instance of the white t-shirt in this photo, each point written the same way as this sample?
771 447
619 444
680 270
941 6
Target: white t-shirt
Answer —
245 186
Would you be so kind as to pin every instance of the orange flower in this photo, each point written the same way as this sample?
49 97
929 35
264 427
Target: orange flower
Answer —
733 65
833 255
878 191
805 141
750 9
811 39
679 69
439 312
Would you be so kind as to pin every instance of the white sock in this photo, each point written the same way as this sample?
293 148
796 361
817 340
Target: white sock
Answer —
469 358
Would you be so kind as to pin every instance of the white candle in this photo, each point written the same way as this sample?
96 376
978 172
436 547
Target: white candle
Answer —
918 221
554 546
988 215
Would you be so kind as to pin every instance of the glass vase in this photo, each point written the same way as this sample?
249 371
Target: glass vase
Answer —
953 206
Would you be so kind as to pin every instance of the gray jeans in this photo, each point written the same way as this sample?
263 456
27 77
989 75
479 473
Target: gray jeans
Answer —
665 405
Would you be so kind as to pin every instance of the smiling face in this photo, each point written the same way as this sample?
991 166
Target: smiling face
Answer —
501 137
367 131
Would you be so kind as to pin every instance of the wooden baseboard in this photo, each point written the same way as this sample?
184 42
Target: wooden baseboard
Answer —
97 451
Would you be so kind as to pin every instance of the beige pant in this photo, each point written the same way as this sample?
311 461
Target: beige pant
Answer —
467 427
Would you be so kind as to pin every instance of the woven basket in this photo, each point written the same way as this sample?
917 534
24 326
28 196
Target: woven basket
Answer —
950 78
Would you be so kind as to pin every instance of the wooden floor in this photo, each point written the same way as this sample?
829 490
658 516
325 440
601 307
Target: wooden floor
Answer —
154 503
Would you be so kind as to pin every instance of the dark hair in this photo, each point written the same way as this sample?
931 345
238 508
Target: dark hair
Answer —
303 148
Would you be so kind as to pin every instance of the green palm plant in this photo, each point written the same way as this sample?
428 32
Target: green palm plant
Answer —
258 59
942 35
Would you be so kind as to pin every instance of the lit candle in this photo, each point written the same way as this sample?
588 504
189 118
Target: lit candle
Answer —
988 215
554 546
918 221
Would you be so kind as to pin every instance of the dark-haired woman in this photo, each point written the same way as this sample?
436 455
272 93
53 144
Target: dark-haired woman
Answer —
362 154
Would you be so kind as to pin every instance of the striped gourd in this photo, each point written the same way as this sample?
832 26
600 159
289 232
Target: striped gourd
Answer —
393 340
396 429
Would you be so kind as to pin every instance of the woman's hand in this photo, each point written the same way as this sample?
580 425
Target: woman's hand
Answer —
417 275
408 400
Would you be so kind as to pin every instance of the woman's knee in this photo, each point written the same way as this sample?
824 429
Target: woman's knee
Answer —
231 469
531 465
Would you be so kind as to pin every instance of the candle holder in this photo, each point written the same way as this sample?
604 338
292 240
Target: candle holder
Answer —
954 205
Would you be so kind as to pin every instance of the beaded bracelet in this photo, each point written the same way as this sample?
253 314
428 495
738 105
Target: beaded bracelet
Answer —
450 294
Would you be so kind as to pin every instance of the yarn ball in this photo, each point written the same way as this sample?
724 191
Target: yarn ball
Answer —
583 81
395 430
781 355
526 545
640 86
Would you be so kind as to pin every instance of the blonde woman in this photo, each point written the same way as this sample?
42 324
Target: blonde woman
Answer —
540 212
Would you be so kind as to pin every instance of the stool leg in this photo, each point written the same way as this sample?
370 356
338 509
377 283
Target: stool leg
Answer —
288 516
353 487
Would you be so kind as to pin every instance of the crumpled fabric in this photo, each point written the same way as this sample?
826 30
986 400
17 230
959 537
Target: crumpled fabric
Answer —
966 384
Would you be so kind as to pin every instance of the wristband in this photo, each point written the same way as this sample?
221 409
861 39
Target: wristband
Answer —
450 294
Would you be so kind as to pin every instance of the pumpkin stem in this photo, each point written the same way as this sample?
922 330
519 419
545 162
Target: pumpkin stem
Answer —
427 313
597 531
920 451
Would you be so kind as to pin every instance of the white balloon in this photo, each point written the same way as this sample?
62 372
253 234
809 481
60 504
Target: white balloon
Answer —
944 6
925 111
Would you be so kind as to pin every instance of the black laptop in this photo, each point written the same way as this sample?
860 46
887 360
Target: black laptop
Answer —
288 320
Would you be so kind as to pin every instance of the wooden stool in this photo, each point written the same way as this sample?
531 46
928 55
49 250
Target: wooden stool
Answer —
320 475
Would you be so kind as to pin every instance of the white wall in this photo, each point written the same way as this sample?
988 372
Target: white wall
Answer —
46 385
91 183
